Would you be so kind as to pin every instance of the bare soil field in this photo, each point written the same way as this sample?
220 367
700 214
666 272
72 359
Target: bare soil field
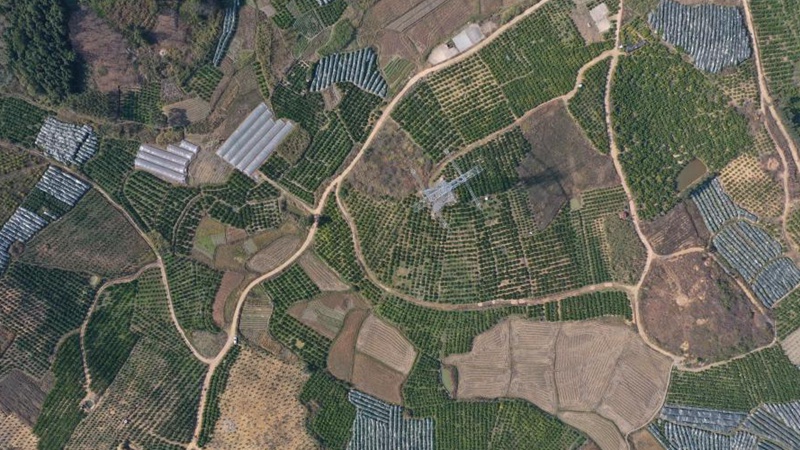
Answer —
254 324
680 228
377 379
386 167
208 168
386 344
326 314
274 254
259 408
562 162
22 396
605 380
104 50
196 109
584 23
710 318
322 275
230 282
15 434
791 346
6 338
753 186
644 440
343 350
208 344
66 244
442 23
601 430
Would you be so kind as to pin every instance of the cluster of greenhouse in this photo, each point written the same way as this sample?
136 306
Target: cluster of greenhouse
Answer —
714 36
228 29
709 419
254 140
24 223
748 248
769 426
63 186
716 207
171 164
21 226
359 67
381 426
67 143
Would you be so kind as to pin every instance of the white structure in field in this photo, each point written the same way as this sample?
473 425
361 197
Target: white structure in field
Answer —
460 43
228 29
359 67
67 143
254 140
171 164
599 16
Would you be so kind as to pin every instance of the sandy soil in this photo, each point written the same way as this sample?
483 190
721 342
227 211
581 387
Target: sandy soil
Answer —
259 408
643 440
710 318
16 434
386 168
600 367
562 162
791 346
386 344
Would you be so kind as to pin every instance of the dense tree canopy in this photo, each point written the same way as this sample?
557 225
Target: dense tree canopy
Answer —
39 49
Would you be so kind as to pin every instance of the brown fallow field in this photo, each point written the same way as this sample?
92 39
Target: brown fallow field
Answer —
372 355
679 229
710 317
596 375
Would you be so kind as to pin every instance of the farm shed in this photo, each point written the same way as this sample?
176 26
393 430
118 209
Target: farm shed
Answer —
171 164
254 140
359 67
67 143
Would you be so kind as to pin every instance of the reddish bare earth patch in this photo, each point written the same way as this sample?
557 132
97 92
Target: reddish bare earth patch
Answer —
691 308
104 50
343 351
562 162
326 314
678 229
377 379
230 281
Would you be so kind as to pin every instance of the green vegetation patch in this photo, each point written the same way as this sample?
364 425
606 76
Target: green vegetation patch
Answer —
421 115
290 287
219 380
667 113
61 411
766 376
342 34
193 286
27 296
20 121
143 105
204 81
787 315
588 105
333 415
109 339
38 45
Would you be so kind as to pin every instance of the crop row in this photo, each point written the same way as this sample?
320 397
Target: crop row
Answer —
143 105
480 425
766 376
38 322
159 363
204 81
333 416
219 380
588 105
20 121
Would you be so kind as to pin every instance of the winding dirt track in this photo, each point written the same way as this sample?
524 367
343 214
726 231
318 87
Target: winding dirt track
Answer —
335 184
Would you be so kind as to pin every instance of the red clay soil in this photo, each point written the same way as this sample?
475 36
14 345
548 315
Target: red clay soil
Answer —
342 354
230 281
